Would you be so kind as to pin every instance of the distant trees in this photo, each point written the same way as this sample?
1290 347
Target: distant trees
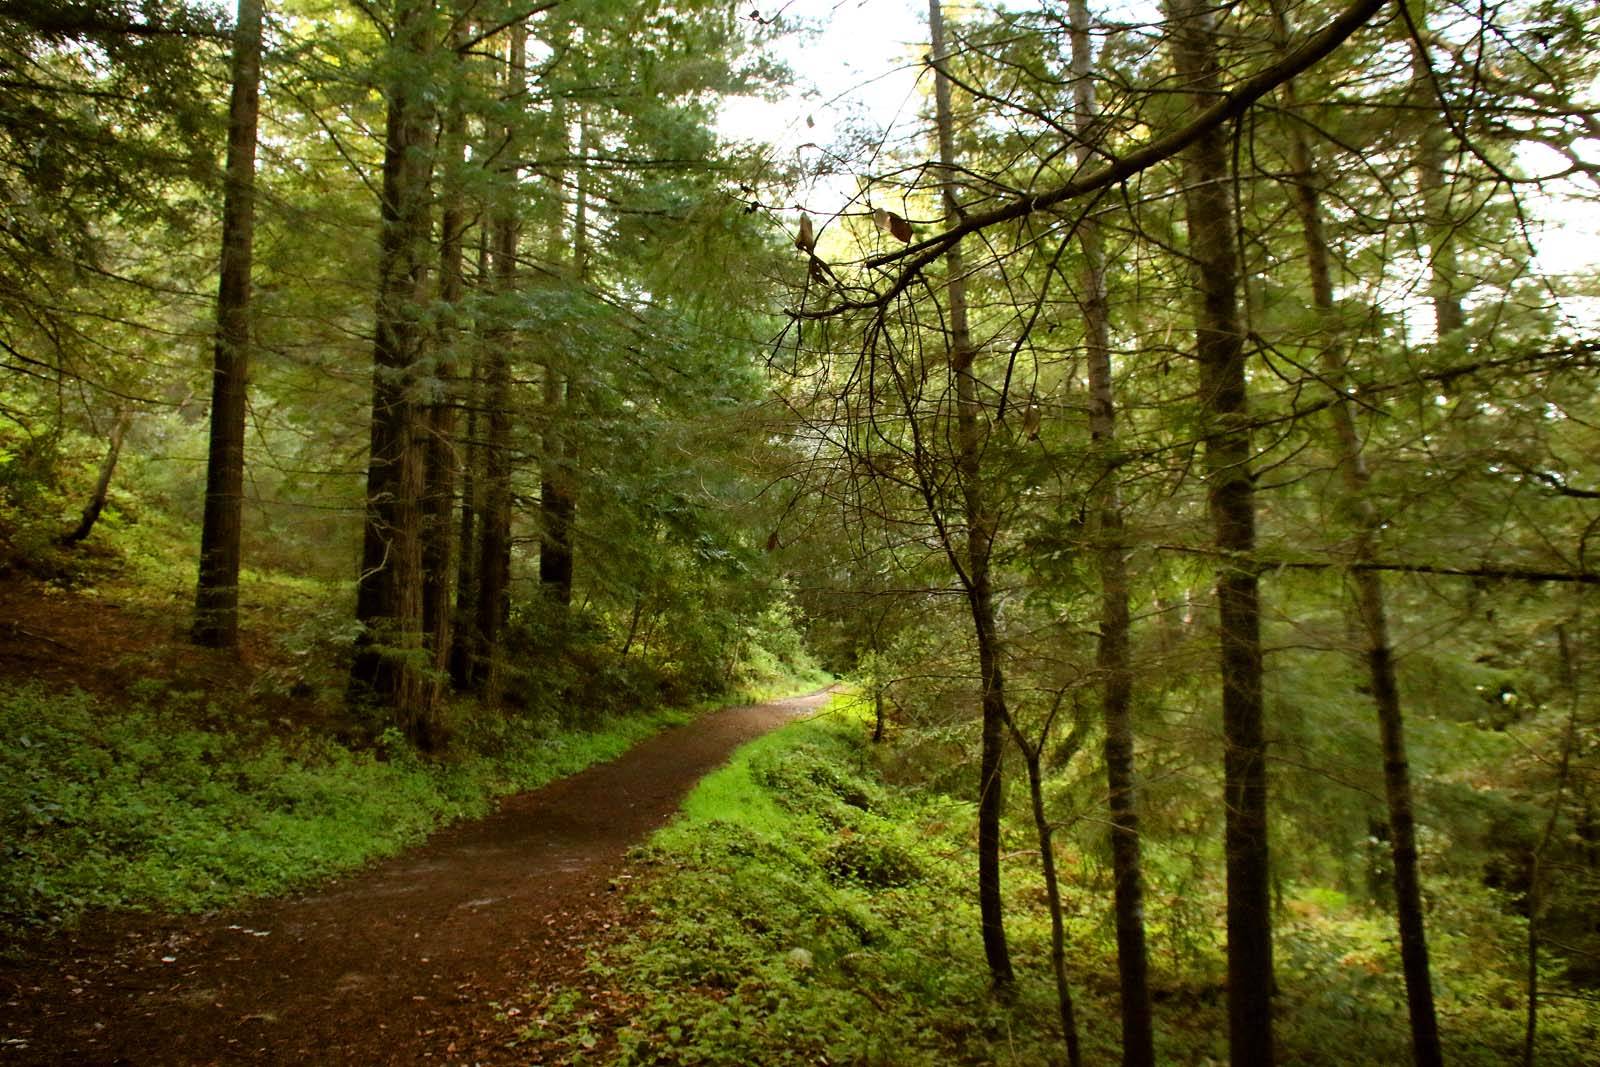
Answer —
103 115
519 91
487 207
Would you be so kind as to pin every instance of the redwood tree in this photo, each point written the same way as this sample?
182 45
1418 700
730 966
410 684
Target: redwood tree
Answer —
392 667
493 604
216 620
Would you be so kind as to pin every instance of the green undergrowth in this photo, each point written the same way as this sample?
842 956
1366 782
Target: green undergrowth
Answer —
138 806
802 910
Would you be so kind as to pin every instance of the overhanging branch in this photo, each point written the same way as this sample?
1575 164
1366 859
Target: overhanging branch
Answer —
913 258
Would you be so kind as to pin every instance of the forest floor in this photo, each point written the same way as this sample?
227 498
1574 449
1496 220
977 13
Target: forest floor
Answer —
424 958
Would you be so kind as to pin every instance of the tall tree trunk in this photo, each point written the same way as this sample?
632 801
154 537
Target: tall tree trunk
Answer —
557 503
494 559
1112 659
980 530
102 483
444 394
216 608
390 666
464 647
558 490
1370 607
1219 350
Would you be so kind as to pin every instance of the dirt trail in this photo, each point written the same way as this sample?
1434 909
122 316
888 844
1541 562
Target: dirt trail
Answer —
402 963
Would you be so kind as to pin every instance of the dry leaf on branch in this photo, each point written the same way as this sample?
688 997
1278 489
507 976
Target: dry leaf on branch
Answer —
806 239
892 224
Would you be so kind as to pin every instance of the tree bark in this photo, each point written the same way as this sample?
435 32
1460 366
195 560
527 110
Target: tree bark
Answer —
980 530
391 666
1052 888
1219 350
444 394
1112 659
216 609
494 558
557 501
1370 607
558 489
1444 289
464 647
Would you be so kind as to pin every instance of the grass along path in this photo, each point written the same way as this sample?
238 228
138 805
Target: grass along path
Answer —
403 962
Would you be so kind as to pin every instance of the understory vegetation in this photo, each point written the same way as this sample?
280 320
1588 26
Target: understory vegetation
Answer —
812 904
202 782
161 803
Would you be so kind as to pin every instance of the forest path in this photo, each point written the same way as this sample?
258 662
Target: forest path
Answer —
401 963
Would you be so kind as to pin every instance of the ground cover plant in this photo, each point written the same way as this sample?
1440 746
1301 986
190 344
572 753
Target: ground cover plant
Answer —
136 806
806 909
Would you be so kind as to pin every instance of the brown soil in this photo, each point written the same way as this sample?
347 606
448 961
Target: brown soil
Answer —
413 961
435 956
109 635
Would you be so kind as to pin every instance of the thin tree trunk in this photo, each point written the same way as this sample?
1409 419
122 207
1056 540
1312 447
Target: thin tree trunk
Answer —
1536 866
1112 659
633 625
494 561
1370 609
390 663
1219 349
1052 888
980 527
878 715
216 609
102 483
